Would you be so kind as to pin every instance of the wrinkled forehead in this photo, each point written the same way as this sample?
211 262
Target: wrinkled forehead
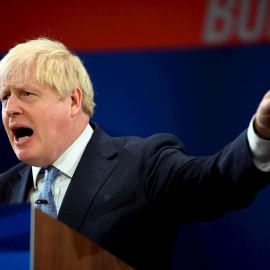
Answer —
10 84
20 75
15 69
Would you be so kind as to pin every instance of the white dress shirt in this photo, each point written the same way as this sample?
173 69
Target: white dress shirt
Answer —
260 149
67 164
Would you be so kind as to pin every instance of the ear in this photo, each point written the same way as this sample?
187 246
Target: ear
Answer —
76 101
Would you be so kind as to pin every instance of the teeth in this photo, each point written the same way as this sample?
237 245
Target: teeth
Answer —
23 138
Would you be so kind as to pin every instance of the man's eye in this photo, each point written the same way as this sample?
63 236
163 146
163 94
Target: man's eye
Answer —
28 94
6 97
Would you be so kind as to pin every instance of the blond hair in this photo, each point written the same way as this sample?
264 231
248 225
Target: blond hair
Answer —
54 65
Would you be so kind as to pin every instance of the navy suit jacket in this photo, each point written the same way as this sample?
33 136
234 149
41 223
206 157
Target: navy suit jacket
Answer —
130 195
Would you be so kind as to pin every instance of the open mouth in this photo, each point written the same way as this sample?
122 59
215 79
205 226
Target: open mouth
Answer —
22 133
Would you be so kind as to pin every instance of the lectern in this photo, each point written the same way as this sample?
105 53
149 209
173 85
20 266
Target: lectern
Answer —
30 239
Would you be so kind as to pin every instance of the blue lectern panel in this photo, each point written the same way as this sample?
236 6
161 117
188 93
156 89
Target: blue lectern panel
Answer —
15 228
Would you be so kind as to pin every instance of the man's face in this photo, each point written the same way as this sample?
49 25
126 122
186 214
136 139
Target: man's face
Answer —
38 124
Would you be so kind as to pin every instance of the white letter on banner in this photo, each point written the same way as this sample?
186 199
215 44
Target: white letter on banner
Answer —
245 33
215 13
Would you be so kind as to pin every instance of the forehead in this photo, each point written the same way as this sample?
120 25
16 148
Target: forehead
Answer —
19 83
18 75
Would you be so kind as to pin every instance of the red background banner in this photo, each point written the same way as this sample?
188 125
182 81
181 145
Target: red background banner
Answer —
135 24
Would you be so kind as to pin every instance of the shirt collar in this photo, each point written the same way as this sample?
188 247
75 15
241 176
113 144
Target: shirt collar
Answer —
68 161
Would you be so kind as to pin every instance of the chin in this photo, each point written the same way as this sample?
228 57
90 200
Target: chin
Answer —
29 159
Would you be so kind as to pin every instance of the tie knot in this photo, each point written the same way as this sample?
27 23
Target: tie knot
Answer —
50 173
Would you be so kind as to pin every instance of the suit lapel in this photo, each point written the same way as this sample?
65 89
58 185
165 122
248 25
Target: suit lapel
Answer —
21 187
97 163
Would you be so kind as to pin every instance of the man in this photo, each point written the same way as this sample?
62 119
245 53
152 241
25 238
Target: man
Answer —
128 194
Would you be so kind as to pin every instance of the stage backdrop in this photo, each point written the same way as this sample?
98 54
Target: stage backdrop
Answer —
197 69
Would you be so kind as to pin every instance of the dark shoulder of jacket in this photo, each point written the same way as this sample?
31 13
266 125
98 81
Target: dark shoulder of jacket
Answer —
14 170
154 142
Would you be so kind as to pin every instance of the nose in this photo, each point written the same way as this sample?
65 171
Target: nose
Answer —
12 107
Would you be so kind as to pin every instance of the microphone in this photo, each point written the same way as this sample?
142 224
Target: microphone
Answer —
41 202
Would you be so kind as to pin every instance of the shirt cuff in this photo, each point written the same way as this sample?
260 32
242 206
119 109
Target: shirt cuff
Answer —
260 148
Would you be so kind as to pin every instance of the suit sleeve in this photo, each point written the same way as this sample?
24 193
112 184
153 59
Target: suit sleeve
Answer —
200 188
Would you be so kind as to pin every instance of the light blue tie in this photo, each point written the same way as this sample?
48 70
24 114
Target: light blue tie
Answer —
45 201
